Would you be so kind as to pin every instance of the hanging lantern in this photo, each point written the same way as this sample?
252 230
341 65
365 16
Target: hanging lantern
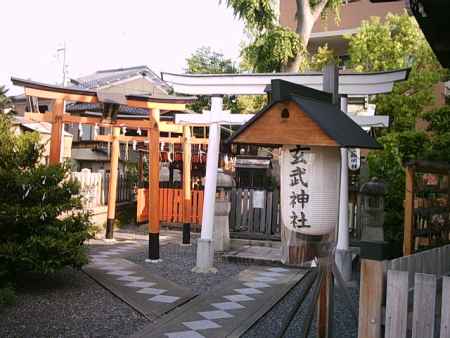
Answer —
164 173
310 189
310 130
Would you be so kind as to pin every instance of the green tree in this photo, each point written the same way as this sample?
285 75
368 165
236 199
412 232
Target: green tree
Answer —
273 47
439 133
206 61
42 223
395 43
387 164
5 102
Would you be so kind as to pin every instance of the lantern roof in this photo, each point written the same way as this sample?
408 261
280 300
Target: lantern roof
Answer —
302 115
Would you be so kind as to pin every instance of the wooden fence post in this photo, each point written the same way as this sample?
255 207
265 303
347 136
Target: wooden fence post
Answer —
445 311
370 298
424 305
396 304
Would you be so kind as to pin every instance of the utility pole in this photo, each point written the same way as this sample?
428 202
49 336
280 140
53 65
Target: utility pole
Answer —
64 66
64 71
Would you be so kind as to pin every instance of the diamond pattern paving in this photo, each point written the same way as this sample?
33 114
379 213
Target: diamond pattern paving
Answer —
133 284
249 298
203 324
215 314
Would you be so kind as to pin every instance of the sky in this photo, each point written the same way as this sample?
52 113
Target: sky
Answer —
105 34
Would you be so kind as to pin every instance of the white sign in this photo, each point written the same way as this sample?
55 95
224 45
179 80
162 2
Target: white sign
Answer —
310 189
258 199
354 158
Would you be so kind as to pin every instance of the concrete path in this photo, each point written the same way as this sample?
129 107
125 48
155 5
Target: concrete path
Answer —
230 309
149 294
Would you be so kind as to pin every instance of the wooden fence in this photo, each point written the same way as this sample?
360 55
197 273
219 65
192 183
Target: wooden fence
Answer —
260 221
425 317
171 205
124 189
406 297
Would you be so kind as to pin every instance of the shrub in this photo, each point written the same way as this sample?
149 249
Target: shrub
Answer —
42 223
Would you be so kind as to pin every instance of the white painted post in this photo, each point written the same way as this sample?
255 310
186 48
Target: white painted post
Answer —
205 245
343 254
343 235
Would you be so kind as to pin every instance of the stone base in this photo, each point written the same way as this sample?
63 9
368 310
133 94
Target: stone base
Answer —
221 226
344 264
153 261
109 240
205 256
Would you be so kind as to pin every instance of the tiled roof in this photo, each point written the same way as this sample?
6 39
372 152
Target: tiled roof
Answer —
106 77
95 107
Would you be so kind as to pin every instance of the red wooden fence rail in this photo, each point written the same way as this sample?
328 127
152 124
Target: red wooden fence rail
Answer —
170 205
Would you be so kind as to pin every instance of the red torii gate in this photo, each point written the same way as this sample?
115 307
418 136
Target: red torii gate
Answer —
111 102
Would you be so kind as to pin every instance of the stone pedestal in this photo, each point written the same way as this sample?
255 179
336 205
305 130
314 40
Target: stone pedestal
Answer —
344 263
221 233
205 256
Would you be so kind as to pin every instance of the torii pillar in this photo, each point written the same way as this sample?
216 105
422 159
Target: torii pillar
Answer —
205 245
153 192
113 175
57 132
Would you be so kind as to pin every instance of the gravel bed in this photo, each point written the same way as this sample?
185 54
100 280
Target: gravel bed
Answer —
178 262
67 304
270 324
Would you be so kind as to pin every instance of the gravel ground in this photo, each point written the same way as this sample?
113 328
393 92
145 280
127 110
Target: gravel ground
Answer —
70 304
178 262
67 304
270 324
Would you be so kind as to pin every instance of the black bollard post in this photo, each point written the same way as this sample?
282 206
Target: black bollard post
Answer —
186 233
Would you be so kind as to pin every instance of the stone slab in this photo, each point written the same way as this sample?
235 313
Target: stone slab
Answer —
149 294
262 255
230 309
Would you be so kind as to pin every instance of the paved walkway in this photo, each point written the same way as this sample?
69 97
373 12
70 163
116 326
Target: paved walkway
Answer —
230 309
149 294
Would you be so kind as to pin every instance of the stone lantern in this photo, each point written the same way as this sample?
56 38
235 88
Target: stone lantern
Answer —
371 210
222 209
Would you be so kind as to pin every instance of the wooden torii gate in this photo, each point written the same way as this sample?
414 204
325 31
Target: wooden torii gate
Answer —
152 123
186 140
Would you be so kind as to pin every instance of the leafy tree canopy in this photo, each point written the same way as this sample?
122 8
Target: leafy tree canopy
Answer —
206 61
395 43
5 102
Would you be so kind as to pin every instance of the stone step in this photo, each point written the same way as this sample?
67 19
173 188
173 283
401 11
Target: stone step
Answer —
258 255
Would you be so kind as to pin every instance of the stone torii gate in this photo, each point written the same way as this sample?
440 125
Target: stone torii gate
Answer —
213 119
255 84
111 102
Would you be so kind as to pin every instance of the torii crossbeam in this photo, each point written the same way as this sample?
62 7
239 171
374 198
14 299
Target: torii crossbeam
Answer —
152 123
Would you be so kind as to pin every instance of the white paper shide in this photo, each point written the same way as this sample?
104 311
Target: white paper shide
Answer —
310 189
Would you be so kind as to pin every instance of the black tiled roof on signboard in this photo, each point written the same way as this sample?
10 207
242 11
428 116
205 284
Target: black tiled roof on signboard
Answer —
316 104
